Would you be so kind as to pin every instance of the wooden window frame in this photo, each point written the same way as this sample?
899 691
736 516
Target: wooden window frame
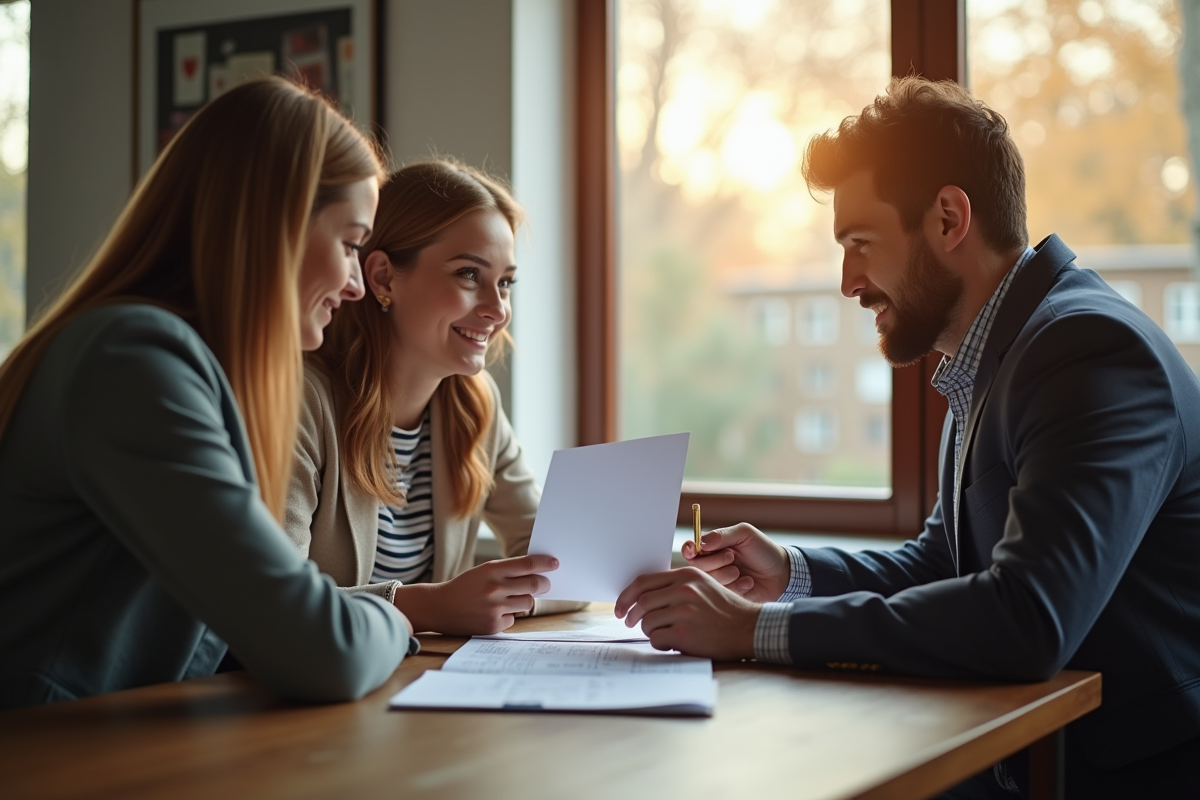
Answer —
928 37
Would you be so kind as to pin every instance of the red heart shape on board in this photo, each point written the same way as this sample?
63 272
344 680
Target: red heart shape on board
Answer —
189 67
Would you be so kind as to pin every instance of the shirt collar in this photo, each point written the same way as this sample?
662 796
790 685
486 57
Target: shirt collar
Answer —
960 370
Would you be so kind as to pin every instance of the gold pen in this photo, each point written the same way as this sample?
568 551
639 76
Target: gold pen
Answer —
696 525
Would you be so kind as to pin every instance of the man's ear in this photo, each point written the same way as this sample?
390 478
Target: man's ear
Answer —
949 220
378 273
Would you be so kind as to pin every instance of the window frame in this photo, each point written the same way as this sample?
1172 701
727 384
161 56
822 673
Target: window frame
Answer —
809 320
928 37
1181 330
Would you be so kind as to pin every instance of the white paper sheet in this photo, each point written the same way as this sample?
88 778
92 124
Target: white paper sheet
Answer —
489 656
617 632
608 514
646 694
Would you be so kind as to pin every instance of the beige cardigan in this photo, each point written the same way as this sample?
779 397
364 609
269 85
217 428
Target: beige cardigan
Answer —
334 523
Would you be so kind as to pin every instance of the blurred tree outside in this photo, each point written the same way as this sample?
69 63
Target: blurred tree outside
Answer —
1091 91
14 146
1189 75
692 370
716 100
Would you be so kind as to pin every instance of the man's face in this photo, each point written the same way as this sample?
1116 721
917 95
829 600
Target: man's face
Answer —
895 274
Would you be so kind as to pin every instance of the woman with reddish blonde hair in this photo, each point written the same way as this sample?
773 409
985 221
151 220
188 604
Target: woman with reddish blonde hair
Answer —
404 447
147 423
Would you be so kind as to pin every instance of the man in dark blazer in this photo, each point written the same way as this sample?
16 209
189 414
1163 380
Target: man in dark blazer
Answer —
1067 528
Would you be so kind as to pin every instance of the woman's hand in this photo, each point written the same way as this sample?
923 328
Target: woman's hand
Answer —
484 599
742 559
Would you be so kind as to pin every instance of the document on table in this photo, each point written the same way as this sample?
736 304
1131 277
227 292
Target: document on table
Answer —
483 656
565 676
692 695
608 514
617 632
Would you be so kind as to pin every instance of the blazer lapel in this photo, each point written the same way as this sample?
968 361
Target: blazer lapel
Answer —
1028 289
362 516
946 488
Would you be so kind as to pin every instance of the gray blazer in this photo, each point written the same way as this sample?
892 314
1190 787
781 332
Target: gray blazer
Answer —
134 543
335 523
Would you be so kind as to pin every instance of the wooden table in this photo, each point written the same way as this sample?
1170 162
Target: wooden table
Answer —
776 734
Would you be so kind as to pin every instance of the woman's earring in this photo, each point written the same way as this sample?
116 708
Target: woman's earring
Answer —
384 302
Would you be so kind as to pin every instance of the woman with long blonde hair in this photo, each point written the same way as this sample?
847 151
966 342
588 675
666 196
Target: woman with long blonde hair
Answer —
404 447
147 422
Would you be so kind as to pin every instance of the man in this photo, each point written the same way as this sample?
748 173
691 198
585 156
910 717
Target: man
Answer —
1067 529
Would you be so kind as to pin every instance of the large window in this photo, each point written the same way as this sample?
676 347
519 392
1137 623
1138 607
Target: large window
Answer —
14 149
1093 94
731 324
707 278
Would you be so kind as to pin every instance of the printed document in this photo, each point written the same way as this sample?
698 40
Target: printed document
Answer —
571 658
616 632
692 695
608 514
565 676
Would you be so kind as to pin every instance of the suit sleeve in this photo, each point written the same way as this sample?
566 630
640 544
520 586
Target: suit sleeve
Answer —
918 562
156 462
1096 445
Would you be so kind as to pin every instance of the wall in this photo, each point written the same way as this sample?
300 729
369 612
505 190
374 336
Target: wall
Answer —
543 369
80 134
448 81
454 84
448 90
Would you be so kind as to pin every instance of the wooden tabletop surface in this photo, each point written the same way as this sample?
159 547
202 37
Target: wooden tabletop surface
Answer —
776 733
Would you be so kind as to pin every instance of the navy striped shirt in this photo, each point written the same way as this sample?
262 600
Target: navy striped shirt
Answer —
404 547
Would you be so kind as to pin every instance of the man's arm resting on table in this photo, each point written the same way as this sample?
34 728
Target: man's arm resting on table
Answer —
690 609
771 630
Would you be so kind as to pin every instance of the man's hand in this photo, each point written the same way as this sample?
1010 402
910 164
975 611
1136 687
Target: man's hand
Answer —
484 599
742 559
687 610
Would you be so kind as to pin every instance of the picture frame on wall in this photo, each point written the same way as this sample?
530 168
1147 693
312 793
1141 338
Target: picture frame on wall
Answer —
190 53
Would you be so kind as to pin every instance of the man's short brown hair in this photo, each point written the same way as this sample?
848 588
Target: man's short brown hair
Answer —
923 135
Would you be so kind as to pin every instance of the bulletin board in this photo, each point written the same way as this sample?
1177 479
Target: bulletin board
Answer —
189 53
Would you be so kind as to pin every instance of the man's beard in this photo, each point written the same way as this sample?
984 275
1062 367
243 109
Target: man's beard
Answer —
921 309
